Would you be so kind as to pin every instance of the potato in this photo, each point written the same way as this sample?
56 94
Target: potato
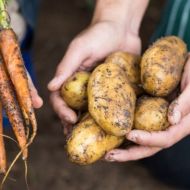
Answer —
173 41
74 90
130 63
162 65
111 99
151 114
88 142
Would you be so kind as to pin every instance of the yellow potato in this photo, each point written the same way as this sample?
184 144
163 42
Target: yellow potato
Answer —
151 114
88 142
111 99
74 90
173 41
130 63
162 65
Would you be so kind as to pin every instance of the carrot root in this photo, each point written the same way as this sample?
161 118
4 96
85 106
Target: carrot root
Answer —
12 109
2 146
12 57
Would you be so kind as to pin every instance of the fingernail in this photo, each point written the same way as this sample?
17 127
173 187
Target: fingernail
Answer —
175 117
68 119
40 101
52 83
110 157
132 137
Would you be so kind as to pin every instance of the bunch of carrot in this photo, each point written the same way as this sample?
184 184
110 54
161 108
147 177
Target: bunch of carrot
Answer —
15 96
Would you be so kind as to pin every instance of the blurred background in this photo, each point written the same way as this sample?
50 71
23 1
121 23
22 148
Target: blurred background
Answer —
48 167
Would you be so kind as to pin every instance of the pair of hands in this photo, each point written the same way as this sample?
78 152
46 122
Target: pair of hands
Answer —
90 47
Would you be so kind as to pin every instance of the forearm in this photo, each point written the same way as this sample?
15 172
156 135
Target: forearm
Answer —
126 12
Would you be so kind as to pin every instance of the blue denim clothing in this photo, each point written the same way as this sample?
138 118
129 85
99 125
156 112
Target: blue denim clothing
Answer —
29 9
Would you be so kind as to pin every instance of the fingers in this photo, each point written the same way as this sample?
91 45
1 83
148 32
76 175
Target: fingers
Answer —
162 139
180 107
156 139
36 99
186 76
60 107
74 57
67 128
133 153
87 65
150 143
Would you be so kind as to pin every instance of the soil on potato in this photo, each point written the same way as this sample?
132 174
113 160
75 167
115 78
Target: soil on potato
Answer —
48 166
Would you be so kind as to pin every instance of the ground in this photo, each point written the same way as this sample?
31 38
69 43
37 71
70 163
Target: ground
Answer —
59 21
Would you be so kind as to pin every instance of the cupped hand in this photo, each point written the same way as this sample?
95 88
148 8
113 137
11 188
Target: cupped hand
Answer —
84 52
149 143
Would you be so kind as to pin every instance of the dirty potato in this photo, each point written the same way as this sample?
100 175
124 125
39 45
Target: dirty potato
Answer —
151 114
130 63
74 90
162 65
111 99
88 142
173 41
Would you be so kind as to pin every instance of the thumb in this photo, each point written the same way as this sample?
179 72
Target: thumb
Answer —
179 107
36 99
74 57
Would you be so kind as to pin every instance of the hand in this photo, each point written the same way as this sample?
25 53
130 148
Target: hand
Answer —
36 99
149 143
115 26
88 48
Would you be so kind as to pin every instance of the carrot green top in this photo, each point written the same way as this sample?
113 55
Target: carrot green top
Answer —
4 16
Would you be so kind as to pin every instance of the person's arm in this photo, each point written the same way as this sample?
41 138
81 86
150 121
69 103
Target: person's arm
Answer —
115 26
127 13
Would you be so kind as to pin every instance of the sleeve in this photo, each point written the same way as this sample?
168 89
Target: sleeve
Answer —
29 9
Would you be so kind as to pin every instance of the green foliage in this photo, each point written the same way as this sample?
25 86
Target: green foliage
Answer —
4 16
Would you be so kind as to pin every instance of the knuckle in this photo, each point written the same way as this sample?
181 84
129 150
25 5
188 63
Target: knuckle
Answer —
76 43
171 139
168 144
61 115
138 139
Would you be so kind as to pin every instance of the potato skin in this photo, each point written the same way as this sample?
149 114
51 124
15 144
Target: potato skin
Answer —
88 142
74 90
173 41
111 99
162 65
151 114
130 63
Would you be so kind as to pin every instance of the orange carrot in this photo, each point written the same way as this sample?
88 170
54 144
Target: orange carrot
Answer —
11 54
12 109
3 161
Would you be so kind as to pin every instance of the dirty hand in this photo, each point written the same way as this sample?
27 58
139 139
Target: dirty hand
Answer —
107 33
149 143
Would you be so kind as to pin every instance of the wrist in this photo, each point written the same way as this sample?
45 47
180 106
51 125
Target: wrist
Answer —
127 14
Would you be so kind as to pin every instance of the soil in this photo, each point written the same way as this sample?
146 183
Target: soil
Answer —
48 165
